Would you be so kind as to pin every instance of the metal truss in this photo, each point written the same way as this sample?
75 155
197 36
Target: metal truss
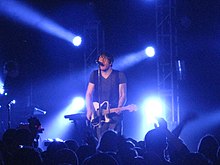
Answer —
94 43
166 38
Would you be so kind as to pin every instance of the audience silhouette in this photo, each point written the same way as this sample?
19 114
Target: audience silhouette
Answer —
208 146
159 147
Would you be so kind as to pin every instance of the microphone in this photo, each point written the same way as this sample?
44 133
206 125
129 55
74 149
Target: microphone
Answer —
99 63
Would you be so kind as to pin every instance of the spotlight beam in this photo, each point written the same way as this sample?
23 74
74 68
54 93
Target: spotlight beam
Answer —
26 15
129 60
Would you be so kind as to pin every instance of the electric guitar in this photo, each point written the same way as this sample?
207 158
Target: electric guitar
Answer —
102 116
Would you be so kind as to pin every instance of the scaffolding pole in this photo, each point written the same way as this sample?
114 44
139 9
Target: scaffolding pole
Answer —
166 40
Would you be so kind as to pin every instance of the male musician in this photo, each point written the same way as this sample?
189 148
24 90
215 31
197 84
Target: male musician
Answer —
106 84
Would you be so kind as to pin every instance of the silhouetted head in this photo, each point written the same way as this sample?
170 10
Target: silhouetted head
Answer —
108 142
65 156
195 159
208 146
85 151
100 159
27 156
72 144
155 141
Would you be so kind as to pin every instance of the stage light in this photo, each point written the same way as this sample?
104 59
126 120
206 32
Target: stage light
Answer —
1 88
13 102
27 15
153 108
78 103
77 41
150 51
180 65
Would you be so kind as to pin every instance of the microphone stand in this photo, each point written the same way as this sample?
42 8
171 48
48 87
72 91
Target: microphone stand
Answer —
9 114
99 95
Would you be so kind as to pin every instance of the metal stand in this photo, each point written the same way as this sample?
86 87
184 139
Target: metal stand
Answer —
9 114
99 96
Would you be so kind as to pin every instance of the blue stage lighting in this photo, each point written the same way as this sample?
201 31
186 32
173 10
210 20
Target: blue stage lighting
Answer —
25 14
153 108
78 104
150 51
77 41
131 59
13 102
59 125
1 88
58 140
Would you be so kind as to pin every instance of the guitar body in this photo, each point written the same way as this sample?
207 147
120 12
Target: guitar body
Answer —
103 113
98 118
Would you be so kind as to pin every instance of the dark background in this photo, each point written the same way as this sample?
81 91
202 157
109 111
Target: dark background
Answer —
49 67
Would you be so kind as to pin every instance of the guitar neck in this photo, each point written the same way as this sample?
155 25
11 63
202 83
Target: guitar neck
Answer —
129 108
112 110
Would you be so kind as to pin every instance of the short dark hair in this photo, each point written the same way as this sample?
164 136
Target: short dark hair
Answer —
109 56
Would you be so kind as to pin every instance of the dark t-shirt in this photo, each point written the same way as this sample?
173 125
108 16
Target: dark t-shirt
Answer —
109 88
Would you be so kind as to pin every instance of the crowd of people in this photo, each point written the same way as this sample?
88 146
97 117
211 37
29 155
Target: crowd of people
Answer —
160 146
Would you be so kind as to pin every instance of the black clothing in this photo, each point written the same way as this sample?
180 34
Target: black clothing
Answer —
109 87
109 91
